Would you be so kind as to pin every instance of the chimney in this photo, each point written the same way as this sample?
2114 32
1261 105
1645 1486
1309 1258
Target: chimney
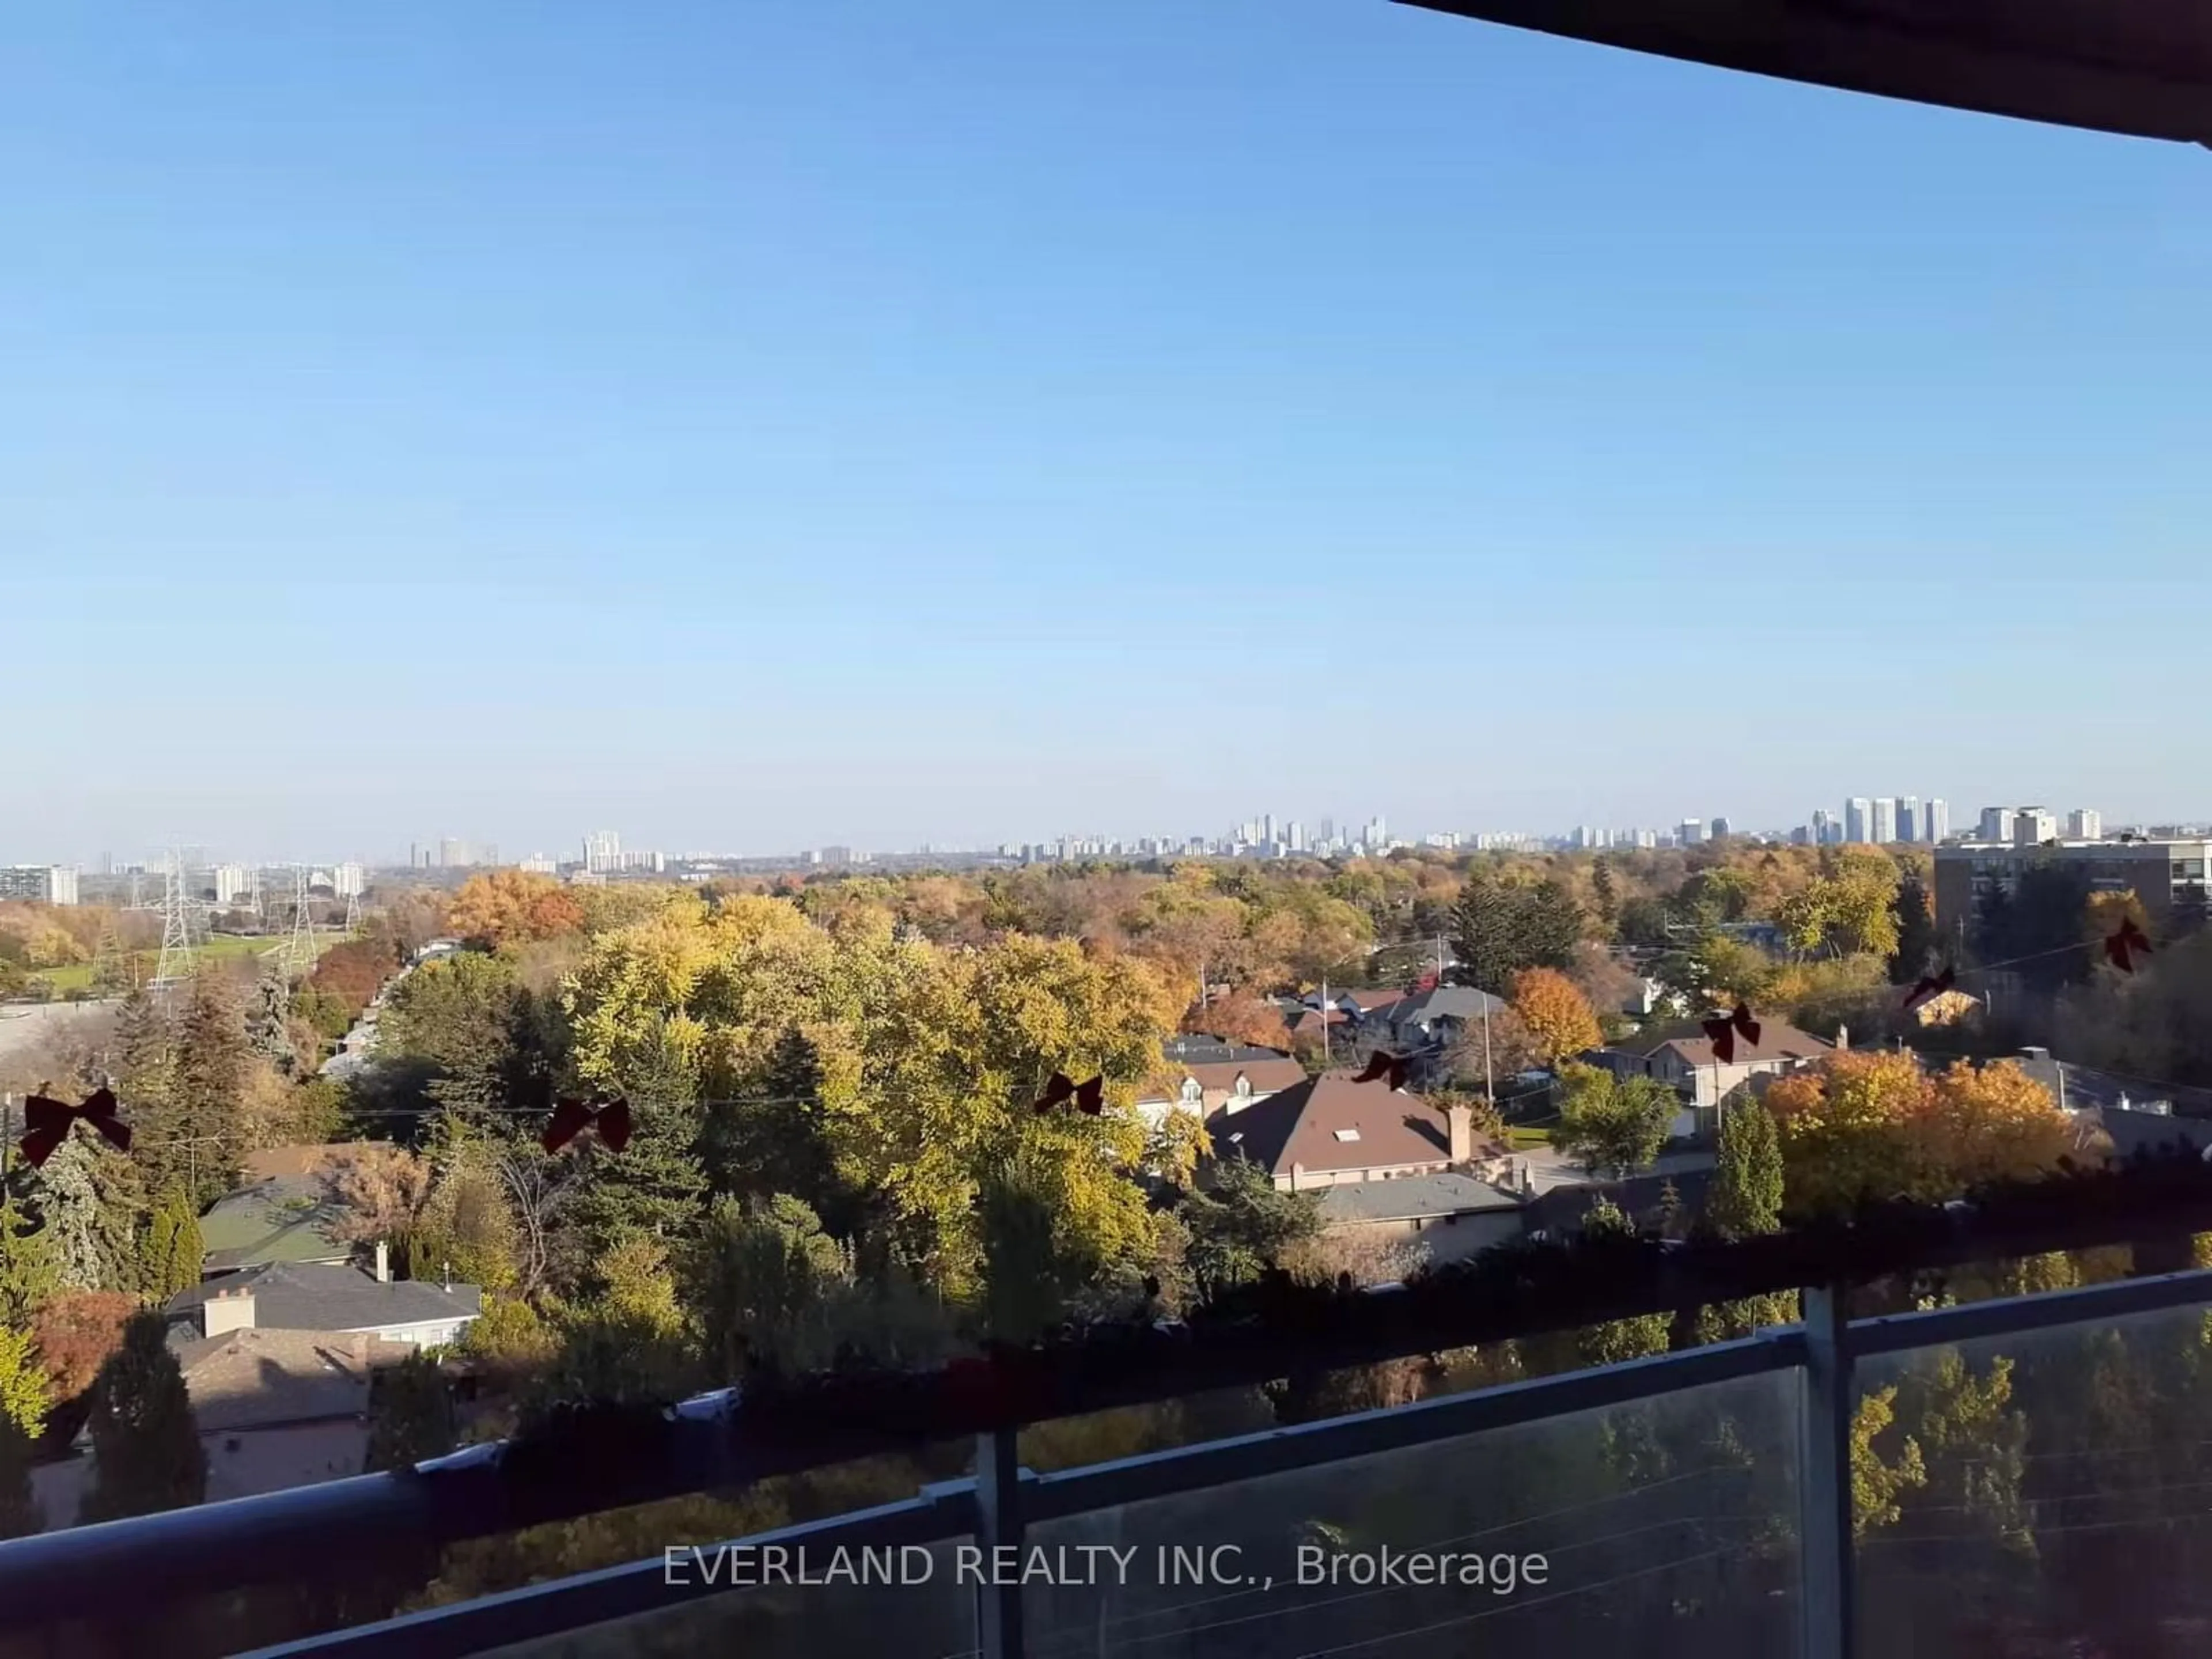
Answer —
382 1263
227 1311
1460 1123
1843 1039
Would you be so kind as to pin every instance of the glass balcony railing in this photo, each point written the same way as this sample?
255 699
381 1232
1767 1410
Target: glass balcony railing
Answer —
2025 1474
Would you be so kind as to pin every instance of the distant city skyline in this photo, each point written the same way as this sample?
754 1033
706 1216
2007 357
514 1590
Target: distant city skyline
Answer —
1904 819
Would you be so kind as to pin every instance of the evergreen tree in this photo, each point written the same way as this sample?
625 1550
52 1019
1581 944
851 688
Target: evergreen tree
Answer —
1027 1281
175 1251
29 1276
1487 934
1604 895
145 1052
195 1138
412 1417
766 1270
1743 1200
268 1025
1745 1196
1500 928
91 1199
656 1186
145 1446
1242 1223
772 1141
1918 945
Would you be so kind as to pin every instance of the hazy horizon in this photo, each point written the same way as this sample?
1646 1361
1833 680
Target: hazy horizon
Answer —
801 425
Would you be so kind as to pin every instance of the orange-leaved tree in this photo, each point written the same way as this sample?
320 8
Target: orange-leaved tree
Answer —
1868 1127
1558 1015
501 906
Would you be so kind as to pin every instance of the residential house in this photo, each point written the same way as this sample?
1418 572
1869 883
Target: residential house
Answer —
283 1213
305 1296
1689 1065
1357 1004
1952 1007
1233 1076
282 1408
1385 1161
1451 1214
1435 1017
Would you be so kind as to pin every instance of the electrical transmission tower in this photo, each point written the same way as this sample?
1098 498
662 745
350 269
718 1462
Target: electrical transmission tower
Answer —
300 952
353 913
177 915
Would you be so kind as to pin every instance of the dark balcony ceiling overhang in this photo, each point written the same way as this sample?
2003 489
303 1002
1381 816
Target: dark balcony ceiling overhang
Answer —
2140 67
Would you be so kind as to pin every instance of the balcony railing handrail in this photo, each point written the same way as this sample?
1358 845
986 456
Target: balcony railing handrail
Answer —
726 1440
954 1509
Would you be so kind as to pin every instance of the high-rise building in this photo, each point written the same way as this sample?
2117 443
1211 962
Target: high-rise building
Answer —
1997 825
2032 826
2084 824
602 852
1939 820
42 884
1294 835
1824 828
1801 835
1881 820
1690 832
1720 828
539 864
233 883
349 880
1909 826
1857 812
1378 834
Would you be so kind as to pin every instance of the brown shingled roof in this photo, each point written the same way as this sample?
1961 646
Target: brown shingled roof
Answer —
1303 1126
1776 1042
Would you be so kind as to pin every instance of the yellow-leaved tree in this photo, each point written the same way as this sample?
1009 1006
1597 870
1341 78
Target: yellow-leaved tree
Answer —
1866 1127
1558 1015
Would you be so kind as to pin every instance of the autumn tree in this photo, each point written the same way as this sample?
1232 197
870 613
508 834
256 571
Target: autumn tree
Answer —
1872 1127
1239 1017
25 1390
1558 1015
1616 1124
76 1333
145 1448
500 907
381 1190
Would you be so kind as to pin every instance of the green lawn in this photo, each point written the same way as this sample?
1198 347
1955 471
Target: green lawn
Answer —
223 946
1519 1138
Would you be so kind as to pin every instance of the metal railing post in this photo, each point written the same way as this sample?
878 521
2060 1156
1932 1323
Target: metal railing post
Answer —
999 1630
1829 1604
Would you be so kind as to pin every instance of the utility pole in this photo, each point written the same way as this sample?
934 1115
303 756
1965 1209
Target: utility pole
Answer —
1324 1022
1489 1082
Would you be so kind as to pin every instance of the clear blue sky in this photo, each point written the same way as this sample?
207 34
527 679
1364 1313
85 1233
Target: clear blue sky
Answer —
748 425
